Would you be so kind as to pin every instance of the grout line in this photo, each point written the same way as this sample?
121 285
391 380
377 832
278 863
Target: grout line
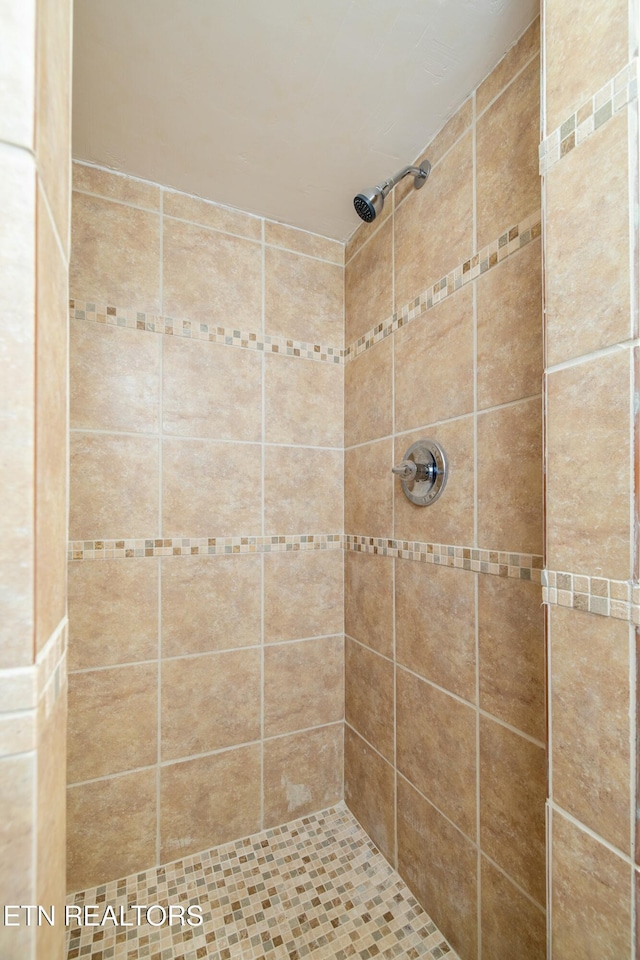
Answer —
178 436
515 883
625 857
515 77
594 355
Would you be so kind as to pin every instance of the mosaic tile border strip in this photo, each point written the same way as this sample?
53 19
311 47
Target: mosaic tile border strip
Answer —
95 312
590 116
199 546
508 243
315 888
521 566
606 598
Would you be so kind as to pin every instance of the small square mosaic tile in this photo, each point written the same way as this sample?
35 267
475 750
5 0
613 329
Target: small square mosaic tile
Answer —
316 888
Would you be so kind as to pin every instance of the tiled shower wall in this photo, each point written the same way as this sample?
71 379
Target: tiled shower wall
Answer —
589 161
206 571
35 160
445 702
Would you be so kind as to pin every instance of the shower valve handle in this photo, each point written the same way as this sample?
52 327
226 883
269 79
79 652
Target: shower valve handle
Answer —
408 470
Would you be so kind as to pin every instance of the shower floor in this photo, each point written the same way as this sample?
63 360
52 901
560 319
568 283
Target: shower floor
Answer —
316 888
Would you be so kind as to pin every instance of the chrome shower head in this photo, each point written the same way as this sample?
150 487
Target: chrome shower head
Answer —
370 203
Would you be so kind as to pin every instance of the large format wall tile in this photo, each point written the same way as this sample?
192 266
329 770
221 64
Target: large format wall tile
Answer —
210 277
368 279
184 207
208 801
512 926
368 600
113 612
303 685
588 509
302 490
209 702
114 486
300 241
515 59
588 287
304 402
304 298
590 706
302 773
115 256
368 490
369 696
302 594
368 391
436 736
115 186
210 390
210 603
369 791
440 865
435 625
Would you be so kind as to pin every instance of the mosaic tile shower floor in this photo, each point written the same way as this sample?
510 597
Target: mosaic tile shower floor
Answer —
316 888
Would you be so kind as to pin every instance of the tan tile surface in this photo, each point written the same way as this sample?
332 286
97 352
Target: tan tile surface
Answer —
512 926
513 61
209 603
369 697
300 241
590 704
302 594
113 186
115 254
303 685
304 298
302 773
436 748
304 402
211 390
368 279
368 599
224 219
369 791
113 612
368 490
435 624
368 394
209 702
52 827
302 490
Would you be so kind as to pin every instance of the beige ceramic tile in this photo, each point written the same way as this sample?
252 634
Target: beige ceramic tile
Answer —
591 897
513 61
302 594
115 254
302 490
302 773
225 219
300 241
444 139
17 801
586 45
440 866
52 828
111 829
210 603
588 510
435 624
51 430
17 306
368 394
434 364
222 707
590 705
115 186
205 488
436 748
513 788
507 179
208 801
509 331
210 277
304 298
115 378
113 721
368 600
53 112
588 284
304 401
449 519
211 390
113 486
369 696
369 791
512 653
368 286
433 227
368 490
303 685
113 612
510 478
17 73
18 732
511 925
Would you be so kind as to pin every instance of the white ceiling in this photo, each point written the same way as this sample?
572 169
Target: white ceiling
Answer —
284 108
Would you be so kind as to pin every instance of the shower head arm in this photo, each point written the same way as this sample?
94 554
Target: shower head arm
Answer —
420 175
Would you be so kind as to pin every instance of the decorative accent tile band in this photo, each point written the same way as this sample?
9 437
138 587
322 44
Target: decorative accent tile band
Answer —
607 598
199 546
594 112
521 566
192 330
490 256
